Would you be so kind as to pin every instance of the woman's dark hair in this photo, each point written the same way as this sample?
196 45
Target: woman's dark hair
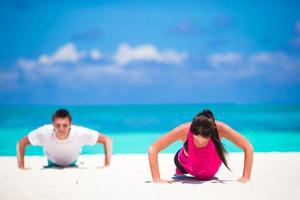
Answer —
61 113
204 124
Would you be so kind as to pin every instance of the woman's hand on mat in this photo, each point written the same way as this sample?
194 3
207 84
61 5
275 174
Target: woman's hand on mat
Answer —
24 168
243 180
102 167
163 181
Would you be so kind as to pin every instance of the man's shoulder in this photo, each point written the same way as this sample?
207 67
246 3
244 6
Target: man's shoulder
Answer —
76 127
47 127
81 129
41 131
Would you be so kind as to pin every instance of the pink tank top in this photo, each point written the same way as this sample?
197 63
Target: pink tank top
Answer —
203 162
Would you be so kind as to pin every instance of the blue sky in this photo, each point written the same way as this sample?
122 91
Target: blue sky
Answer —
128 52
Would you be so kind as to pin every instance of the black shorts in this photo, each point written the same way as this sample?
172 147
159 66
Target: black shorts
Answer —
177 163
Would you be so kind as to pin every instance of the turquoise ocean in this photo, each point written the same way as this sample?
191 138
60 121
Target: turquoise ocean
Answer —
133 128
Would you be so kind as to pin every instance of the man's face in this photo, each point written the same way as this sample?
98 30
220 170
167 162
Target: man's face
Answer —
62 127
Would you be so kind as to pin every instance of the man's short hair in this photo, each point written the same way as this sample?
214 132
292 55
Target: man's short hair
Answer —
61 113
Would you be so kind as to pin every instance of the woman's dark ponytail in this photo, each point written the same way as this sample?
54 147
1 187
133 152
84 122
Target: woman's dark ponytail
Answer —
204 124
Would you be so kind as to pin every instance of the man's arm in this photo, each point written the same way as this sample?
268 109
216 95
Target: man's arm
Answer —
107 143
21 145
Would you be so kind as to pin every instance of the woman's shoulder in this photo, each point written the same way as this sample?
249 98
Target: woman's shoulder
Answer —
186 125
219 124
183 130
220 127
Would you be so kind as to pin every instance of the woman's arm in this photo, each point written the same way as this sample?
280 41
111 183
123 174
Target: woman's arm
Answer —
178 133
240 141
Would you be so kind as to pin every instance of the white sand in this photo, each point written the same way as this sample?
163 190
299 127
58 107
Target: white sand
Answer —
274 176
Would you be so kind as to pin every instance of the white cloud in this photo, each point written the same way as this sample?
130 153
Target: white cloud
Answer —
66 53
275 60
170 56
126 54
272 66
262 57
228 58
277 65
95 54
47 67
26 64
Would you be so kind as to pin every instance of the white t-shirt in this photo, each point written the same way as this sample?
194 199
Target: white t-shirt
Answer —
62 152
